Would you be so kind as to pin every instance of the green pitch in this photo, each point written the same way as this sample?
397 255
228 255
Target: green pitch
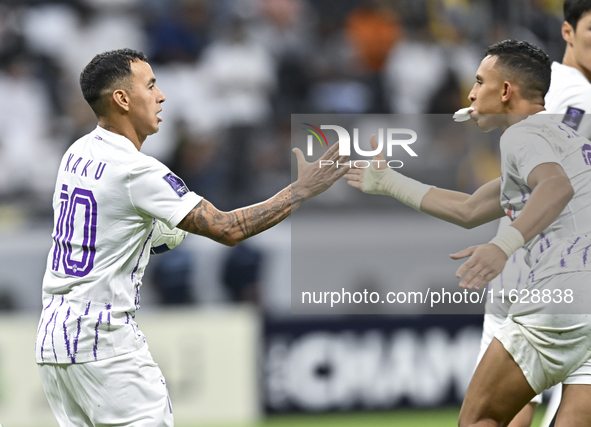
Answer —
407 418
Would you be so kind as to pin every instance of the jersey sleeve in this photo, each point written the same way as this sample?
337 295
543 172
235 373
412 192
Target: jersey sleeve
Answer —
156 192
525 149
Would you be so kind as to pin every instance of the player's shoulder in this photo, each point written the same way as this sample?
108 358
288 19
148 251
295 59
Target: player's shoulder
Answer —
567 76
538 125
568 88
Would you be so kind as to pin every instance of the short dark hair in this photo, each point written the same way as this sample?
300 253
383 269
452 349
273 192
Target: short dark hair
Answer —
525 64
103 72
574 10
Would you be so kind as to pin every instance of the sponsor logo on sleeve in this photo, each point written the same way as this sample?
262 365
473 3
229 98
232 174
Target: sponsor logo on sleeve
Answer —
573 117
176 184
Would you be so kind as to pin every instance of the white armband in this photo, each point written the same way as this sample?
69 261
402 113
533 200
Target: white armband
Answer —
391 183
509 240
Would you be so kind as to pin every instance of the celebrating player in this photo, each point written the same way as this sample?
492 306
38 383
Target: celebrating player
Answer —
544 189
570 97
93 358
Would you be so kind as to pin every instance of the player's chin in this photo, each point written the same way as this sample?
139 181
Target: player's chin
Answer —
482 122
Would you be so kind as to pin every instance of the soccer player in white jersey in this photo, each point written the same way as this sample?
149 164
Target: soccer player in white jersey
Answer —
93 358
544 189
569 97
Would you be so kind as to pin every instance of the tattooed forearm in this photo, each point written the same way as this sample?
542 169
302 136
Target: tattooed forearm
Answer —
232 227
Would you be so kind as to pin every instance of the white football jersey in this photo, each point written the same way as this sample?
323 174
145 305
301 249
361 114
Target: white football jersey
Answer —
106 197
542 138
570 96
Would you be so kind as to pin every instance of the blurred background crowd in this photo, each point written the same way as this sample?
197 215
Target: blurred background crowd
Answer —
233 72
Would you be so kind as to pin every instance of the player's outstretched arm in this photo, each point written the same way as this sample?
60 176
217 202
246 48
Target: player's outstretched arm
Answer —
232 227
458 208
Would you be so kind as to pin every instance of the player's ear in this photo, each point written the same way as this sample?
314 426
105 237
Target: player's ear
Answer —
507 91
121 98
567 32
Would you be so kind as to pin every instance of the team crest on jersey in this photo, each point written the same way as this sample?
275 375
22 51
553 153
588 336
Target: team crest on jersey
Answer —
176 184
586 152
573 117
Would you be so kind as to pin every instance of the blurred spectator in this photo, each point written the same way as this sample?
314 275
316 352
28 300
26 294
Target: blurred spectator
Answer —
287 29
241 75
241 273
337 87
28 160
172 276
198 161
416 68
373 30
74 36
179 33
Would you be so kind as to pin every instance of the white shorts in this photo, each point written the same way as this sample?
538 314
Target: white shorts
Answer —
550 344
126 390
492 323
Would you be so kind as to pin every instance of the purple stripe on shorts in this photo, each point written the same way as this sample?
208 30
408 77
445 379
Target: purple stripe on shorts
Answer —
585 254
45 308
50 302
96 334
53 332
570 248
108 308
78 332
66 335
45 336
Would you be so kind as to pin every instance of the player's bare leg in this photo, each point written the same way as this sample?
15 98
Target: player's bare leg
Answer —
574 410
497 392
525 416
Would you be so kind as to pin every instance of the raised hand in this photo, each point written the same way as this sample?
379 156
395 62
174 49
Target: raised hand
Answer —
315 178
485 263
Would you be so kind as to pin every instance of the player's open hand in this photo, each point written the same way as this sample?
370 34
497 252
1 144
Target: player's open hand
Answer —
485 263
314 178
365 179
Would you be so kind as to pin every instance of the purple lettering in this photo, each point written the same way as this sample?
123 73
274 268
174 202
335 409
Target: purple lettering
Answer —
76 164
68 163
88 163
99 171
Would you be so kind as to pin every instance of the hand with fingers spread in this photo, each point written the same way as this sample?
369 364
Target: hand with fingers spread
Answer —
315 178
485 263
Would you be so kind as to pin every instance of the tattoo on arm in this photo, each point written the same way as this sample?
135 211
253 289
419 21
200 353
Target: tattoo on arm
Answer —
237 225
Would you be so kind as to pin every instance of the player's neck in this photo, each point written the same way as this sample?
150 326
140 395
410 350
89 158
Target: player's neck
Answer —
122 128
521 112
571 61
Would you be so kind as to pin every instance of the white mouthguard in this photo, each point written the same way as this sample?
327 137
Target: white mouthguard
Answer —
463 114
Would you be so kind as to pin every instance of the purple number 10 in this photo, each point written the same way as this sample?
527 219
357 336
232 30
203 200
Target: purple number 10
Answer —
80 205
